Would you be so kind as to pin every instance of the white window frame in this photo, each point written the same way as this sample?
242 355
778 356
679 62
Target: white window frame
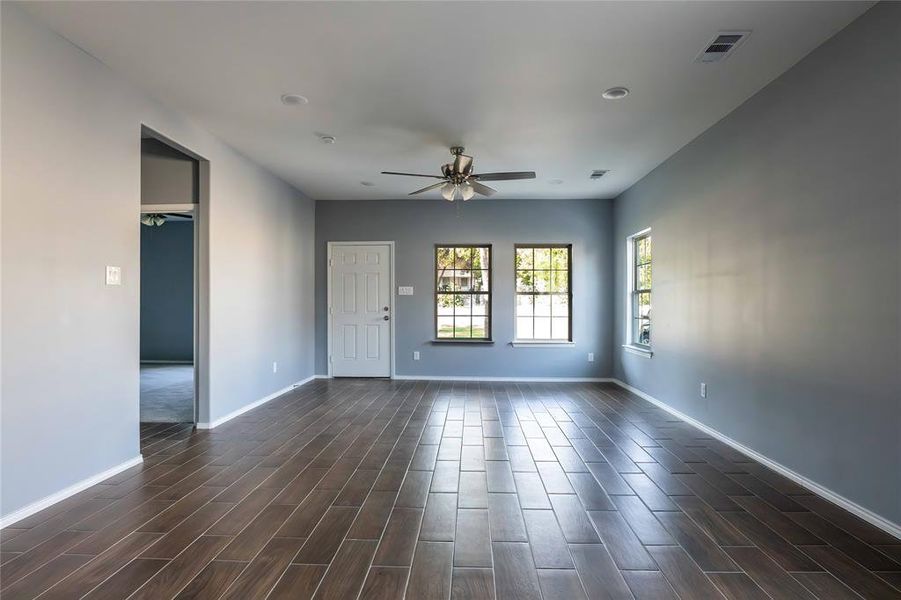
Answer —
539 342
631 345
489 323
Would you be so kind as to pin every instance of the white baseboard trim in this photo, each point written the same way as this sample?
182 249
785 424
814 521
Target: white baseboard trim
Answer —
167 362
852 507
252 405
510 379
27 511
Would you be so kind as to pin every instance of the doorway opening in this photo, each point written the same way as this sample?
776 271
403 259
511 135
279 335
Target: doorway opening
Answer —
169 310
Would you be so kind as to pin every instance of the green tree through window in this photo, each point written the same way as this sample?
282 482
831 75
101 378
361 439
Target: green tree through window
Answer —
543 292
463 292
641 290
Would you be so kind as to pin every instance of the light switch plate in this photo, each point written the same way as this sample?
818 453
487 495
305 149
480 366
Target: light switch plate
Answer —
113 275
405 290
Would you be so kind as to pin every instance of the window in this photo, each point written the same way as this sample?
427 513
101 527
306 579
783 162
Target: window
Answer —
639 333
463 292
543 293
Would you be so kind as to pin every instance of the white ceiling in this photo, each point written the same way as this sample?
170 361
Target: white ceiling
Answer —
519 84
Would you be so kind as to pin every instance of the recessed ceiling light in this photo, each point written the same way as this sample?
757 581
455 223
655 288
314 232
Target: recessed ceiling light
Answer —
367 183
555 181
615 93
294 99
327 139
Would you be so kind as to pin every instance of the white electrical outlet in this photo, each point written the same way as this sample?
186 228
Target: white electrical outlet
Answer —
275 367
416 355
703 390
591 357
113 275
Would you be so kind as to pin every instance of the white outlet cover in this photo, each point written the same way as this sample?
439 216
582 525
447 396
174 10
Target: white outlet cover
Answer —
703 390
591 357
416 356
405 290
113 275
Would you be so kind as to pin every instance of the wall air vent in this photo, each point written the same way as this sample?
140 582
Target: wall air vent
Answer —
597 174
722 45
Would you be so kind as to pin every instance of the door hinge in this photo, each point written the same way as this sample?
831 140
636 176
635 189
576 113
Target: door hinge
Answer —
330 263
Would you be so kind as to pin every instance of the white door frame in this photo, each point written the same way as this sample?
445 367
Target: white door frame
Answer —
328 267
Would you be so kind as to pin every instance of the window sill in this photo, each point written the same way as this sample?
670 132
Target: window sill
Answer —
639 350
541 344
463 342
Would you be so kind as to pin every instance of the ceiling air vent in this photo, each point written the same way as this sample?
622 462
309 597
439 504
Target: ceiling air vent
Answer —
721 46
597 173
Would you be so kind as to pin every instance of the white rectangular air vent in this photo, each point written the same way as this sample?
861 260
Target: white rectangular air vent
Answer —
597 174
721 46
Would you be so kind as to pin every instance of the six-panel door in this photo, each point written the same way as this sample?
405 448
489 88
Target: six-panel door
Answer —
361 310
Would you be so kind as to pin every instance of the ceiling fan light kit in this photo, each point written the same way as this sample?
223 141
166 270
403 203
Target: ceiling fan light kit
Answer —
153 219
458 180
448 191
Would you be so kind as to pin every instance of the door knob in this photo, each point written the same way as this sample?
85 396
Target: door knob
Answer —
387 318
385 309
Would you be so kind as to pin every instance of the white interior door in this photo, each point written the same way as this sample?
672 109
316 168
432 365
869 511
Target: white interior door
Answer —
360 310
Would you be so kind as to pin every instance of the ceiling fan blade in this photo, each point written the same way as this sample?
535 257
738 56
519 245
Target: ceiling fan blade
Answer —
411 174
505 176
481 189
463 164
427 188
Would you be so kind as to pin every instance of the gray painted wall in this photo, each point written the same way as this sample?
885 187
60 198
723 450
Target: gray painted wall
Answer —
167 175
776 273
71 196
417 225
167 292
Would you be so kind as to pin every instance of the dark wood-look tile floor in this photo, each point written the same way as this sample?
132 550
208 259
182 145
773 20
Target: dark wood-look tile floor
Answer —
377 489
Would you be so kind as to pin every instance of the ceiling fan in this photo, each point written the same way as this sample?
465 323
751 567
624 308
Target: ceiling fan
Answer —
457 178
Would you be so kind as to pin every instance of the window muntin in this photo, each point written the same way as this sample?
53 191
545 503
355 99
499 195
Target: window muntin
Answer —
463 292
640 294
543 292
